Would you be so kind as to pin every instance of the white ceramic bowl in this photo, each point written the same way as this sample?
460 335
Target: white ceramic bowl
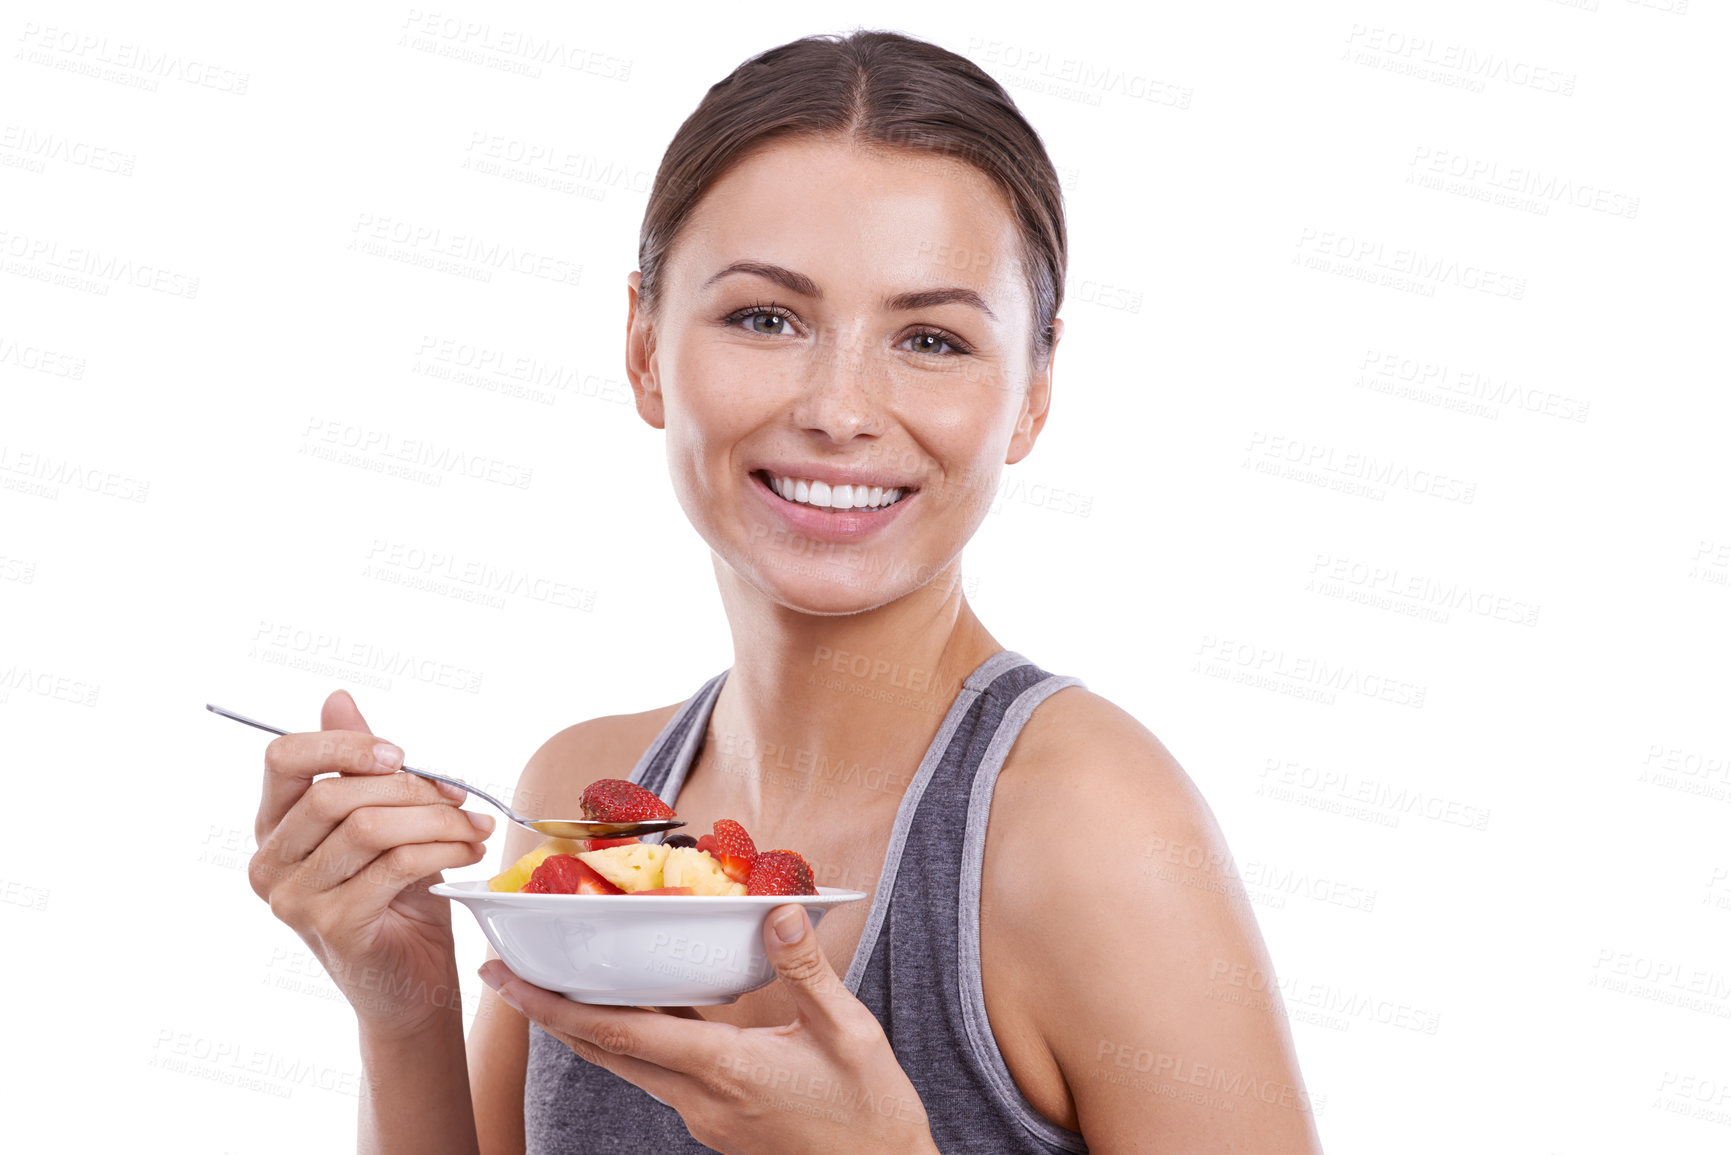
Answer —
657 950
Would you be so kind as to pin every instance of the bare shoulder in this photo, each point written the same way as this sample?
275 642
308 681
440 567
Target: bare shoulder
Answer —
551 784
1116 944
611 744
1081 754
554 779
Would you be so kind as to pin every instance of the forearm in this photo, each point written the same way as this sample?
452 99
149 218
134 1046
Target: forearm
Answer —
417 1100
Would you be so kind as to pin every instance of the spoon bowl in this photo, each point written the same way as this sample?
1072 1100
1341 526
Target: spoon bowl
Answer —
580 828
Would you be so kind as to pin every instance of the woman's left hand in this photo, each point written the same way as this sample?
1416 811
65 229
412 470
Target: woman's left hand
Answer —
828 1081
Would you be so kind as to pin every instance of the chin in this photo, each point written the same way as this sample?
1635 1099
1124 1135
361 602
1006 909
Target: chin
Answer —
836 596
823 589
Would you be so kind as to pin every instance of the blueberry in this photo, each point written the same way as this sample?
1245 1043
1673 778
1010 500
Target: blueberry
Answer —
679 840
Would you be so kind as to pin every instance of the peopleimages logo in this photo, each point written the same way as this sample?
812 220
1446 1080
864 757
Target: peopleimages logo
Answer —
38 257
1300 675
1350 471
137 65
1373 258
1483 176
43 474
1459 65
1074 78
327 438
465 253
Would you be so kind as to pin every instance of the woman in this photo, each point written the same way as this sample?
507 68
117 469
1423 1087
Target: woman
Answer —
845 323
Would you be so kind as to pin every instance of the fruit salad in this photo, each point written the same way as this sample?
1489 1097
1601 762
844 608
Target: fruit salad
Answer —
723 862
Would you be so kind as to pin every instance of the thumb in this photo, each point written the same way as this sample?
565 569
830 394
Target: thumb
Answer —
819 996
341 713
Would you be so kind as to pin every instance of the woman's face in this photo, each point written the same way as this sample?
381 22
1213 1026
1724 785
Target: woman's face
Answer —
840 356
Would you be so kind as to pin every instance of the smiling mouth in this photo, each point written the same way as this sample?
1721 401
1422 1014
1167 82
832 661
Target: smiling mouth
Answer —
839 498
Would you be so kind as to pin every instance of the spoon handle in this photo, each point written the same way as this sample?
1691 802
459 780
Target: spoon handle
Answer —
457 782
253 722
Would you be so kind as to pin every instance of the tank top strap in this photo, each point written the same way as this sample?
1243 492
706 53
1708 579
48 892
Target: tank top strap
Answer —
967 697
661 770
925 922
973 1002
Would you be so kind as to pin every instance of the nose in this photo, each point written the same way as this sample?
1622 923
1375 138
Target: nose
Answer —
842 396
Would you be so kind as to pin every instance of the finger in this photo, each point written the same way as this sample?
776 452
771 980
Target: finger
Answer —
340 713
371 830
333 915
292 761
654 1051
819 996
377 884
681 1012
323 807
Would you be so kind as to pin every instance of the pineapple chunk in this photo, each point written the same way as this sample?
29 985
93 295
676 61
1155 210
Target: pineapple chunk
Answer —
698 869
630 868
516 876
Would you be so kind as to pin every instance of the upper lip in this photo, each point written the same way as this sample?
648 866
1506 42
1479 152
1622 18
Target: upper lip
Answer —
832 475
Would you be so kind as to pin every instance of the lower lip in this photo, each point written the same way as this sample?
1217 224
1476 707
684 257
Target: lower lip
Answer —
829 524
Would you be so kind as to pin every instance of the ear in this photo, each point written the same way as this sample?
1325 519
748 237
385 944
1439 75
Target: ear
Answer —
1036 403
640 366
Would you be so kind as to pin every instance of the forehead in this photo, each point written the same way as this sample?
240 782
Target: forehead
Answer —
856 217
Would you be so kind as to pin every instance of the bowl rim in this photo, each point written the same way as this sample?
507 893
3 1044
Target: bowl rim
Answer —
475 890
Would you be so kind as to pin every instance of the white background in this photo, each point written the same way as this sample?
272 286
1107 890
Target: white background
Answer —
1492 868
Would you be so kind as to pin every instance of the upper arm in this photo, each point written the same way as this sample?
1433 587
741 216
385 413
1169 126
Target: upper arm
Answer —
1131 930
552 785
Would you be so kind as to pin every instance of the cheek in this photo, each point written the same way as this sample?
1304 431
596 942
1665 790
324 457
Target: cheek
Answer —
705 406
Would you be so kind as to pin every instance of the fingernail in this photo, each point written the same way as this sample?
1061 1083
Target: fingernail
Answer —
388 756
454 793
509 1001
491 976
483 822
790 925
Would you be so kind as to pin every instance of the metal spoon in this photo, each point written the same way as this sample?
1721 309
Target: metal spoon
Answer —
554 827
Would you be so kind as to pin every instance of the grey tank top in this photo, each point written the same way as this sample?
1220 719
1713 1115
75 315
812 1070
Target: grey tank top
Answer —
918 962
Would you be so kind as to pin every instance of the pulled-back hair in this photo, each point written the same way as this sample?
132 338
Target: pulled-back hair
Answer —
878 89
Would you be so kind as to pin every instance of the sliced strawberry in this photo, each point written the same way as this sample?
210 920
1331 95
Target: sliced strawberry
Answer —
665 890
780 872
734 849
708 844
604 843
564 874
616 800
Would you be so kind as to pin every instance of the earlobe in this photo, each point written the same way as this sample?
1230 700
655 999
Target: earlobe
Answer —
640 361
1036 403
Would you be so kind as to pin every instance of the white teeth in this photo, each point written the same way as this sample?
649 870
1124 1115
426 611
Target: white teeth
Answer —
826 496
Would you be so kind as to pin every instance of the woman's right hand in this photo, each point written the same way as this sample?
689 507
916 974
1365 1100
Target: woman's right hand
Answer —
346 862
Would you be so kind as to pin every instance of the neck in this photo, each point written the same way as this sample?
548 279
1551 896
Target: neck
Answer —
844 702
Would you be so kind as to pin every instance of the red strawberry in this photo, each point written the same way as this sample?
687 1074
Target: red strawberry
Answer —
665 890
565 874
708 844
780 872
616 800
733 849
604 843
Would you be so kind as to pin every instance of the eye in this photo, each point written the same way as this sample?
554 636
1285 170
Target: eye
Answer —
935 342
766 320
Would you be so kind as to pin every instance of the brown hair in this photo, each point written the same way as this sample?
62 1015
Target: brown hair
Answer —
878 89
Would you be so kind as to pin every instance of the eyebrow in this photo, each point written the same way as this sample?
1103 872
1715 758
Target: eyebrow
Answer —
902 302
